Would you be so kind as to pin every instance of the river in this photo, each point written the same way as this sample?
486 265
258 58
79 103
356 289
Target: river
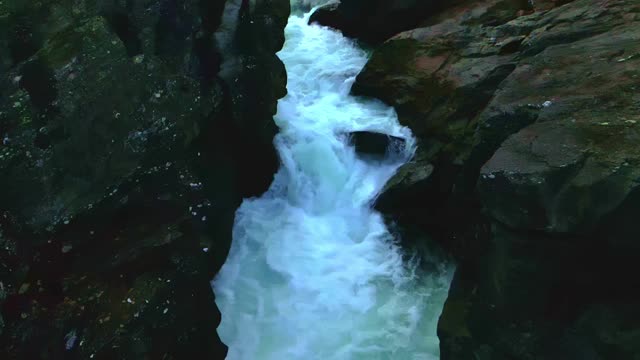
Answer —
313 273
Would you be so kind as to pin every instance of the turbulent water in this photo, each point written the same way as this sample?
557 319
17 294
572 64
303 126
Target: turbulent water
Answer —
313 272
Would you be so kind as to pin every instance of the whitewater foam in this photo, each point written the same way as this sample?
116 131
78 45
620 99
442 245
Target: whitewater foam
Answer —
313 272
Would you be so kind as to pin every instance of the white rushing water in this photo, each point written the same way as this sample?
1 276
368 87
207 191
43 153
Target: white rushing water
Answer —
313 272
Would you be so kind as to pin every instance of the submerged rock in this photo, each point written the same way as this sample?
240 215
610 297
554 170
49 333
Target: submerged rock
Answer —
375 144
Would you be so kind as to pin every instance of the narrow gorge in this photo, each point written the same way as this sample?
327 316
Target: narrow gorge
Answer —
313 273
320 179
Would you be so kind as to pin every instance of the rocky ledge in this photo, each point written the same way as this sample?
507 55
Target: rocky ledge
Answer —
127 143
527 115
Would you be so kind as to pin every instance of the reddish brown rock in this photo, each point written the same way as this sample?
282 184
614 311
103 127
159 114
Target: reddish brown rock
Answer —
579 160
527 172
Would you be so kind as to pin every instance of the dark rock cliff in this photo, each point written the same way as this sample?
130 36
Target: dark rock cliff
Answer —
527 171
130 132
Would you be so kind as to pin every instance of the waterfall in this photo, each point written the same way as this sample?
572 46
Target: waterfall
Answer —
313 273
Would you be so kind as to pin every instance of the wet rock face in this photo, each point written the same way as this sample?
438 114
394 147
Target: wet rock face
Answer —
526 171
126 144
376 145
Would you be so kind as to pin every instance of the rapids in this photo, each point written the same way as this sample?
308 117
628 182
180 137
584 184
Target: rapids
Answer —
313 273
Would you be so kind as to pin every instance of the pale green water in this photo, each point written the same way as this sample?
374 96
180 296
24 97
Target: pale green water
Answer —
313 273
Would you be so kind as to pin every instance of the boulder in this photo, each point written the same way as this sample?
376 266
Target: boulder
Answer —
374 21
376 144
329 15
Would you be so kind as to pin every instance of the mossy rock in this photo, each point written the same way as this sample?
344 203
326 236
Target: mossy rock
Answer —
123 159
